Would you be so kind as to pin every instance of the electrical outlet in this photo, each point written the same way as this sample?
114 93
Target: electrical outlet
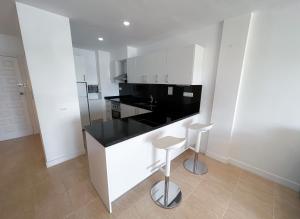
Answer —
170 90
188 94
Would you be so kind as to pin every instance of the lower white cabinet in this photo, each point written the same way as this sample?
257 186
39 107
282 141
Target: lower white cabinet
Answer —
127 111
139 111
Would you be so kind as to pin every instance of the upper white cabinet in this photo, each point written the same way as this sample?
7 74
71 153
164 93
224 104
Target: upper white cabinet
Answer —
85 66
180 65
184 65
80 68
131 70
155 67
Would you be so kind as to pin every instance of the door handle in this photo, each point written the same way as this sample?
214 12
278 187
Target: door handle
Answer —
21 84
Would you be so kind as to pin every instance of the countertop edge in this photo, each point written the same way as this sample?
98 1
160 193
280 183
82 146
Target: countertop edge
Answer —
139 133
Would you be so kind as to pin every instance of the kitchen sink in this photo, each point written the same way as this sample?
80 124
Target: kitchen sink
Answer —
147 104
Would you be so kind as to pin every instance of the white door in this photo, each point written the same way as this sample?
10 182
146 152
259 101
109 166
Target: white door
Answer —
14 117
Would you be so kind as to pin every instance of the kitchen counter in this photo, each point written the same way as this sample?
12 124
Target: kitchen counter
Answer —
117 130
121 154
120 151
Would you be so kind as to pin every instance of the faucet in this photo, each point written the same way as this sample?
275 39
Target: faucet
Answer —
151 99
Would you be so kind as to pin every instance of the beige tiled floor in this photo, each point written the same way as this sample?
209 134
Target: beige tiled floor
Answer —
29 190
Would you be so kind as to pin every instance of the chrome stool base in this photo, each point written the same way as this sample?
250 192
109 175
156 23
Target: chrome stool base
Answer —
195 166
166 198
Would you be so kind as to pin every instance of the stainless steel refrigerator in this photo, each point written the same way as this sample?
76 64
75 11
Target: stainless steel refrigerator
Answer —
84 103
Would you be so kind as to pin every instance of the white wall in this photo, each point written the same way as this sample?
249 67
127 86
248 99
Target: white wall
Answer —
230 66
12 46
48 49
209 38
264 134
267 128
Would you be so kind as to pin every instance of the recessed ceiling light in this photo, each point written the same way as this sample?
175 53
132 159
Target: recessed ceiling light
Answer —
100 38
126 23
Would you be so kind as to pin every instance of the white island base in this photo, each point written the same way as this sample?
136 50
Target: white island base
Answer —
116 169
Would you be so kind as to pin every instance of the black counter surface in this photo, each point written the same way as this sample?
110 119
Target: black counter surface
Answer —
165 109
118 130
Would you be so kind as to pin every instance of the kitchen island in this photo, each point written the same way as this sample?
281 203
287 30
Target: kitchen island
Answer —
120 151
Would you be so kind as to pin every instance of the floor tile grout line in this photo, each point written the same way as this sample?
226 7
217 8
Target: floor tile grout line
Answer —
235 187
273 212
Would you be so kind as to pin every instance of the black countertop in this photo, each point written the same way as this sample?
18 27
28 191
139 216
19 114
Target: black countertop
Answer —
117 130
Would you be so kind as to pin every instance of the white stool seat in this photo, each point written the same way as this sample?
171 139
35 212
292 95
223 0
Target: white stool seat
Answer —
168 143
194 165
201 127
164 193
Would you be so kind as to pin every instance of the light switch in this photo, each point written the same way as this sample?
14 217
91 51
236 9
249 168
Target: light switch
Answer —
170 90
188 94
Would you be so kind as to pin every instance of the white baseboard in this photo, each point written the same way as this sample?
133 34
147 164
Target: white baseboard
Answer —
265 174
64 158
217 157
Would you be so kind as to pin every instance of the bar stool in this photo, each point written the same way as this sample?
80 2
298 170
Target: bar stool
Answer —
164 193
194 165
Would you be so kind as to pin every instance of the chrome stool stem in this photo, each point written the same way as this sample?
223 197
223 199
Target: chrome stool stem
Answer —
166 191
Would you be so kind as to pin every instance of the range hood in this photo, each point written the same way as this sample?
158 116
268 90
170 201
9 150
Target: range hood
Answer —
122 77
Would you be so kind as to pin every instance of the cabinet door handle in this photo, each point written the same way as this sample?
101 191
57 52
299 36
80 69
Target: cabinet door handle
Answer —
166 79
156 78
83 77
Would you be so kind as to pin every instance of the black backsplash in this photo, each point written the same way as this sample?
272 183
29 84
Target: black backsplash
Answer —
175 102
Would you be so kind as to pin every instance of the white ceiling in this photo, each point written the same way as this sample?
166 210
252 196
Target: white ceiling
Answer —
150 19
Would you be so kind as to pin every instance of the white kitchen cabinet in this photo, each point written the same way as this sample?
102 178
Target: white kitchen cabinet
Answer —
85 66
140 66
132 74
127 111
155 67
139 111
80 68
182 65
